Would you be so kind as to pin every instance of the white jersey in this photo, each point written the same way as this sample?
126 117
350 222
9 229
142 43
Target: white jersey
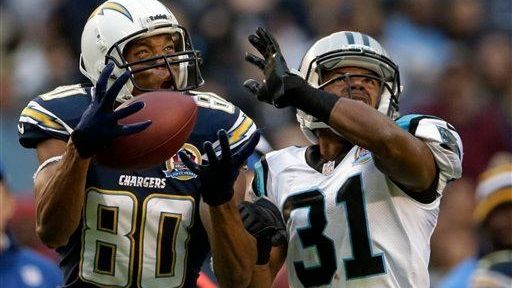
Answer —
355 227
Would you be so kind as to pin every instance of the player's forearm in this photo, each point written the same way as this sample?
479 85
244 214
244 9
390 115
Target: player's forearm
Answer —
362 125
233 248
59 198
356 121
261 277
399 154
264 275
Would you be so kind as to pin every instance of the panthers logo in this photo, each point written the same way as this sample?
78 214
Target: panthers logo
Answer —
175 167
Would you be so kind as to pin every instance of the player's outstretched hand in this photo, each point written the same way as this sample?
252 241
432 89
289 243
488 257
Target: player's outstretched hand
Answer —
263 220
98 125
274 67
218 176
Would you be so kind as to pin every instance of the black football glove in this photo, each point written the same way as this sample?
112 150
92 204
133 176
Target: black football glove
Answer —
98 125
280 87
263 220
218 176
274 68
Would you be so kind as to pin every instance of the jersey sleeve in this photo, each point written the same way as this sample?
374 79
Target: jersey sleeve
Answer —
215 114
259 182
52 115
442 139
268 178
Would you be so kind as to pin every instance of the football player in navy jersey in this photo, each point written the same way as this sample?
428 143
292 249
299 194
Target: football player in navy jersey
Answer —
361 203
146 228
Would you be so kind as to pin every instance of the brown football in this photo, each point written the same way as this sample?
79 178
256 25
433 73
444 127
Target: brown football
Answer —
173 117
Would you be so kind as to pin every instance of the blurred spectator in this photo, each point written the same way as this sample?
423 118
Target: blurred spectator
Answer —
493 271
493 56
325 18
453 240
68 18
464 20
499 15
23 227
420 48
19 266
492 266
39 42
462 101
366 16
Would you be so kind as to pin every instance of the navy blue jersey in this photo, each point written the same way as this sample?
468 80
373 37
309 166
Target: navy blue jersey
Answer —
138 228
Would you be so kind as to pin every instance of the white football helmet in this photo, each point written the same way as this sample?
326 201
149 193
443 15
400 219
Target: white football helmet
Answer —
349 49
115 23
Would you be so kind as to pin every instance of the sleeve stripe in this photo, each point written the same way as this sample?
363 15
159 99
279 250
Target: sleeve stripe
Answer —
259 183
405 121
32 105
41 118
416 122
241 130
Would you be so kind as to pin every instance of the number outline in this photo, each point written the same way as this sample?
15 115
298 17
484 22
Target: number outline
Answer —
141 238
84 230
368 237
63 92
119 240
352 183
212 101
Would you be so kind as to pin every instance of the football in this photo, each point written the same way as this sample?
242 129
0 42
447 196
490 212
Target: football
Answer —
173 117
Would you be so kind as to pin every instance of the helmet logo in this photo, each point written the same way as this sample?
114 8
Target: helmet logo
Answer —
112 6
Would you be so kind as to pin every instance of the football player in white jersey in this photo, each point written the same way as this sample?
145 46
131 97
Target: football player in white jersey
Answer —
361 203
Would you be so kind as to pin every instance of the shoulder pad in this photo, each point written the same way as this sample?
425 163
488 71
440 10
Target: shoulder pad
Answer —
433 129
215 114
442 139
53 114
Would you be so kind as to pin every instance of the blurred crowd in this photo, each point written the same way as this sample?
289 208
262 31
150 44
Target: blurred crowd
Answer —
455 58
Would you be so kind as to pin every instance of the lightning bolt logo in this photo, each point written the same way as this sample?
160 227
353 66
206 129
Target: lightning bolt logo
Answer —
112 6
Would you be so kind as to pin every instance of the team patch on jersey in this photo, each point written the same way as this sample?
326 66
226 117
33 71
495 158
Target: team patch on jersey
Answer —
361 156
175 167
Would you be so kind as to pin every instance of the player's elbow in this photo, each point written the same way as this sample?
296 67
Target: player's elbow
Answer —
238 276
50 237
389 146
408 162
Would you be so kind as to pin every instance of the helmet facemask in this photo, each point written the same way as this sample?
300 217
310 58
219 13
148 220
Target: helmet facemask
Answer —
182 65
322 57
115 24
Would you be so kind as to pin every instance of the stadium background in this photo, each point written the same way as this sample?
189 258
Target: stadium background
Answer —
455 58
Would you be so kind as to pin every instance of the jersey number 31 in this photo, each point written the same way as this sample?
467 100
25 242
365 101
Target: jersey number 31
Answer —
363 263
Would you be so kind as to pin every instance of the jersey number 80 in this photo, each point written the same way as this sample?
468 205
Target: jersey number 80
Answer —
107 254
